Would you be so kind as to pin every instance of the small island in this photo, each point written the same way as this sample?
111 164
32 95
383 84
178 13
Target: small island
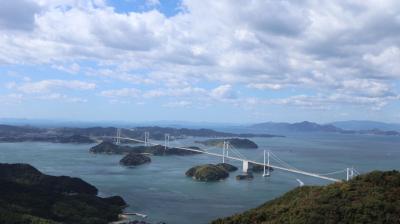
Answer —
240 143
29 196
134 159
107 147
257 168
247 176
228 167
210 172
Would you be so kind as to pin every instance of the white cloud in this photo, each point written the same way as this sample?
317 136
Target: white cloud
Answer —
119 93
265 86
176 104
62 97
223 92
350 48
73 68
153 2
386 63
51 84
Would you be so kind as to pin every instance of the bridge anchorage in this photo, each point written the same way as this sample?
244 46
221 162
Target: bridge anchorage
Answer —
229 152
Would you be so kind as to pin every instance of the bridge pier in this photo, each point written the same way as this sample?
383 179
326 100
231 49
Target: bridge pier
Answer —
245 166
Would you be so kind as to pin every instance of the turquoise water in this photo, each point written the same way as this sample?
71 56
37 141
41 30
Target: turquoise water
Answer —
161 190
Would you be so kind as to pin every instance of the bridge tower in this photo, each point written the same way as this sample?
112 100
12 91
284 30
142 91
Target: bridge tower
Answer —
349 173
227 149
146 138
166 141
118 138
223 152
266 174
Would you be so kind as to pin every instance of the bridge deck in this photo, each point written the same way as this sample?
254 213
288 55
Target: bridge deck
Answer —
250 161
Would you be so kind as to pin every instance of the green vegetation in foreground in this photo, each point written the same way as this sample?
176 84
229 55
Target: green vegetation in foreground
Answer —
369 198
31 197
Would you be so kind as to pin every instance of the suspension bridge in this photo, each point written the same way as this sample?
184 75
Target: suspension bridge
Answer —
237 156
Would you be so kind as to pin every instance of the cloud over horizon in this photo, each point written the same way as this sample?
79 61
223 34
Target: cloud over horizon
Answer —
261 56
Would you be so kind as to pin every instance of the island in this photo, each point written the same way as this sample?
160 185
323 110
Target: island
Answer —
368 198
257 168
29 196
210 172
134 159
228 167
107 147
240 143
246 176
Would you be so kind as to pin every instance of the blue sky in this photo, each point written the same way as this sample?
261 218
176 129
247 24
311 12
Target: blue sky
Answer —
217 61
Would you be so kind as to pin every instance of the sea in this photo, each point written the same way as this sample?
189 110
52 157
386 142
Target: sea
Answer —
161 190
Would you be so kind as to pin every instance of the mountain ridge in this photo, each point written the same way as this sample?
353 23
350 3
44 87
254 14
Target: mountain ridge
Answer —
307 126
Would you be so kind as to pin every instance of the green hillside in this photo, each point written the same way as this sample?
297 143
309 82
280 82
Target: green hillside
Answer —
31 197
369 198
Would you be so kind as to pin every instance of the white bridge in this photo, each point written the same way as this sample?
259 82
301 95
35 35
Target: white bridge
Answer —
350 172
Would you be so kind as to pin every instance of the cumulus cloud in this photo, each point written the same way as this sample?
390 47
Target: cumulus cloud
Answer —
51 84
18 14
118 93
223 92
62 97
385 63
340 50
181 103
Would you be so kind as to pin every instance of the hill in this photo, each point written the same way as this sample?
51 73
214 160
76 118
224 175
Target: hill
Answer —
304 126
307 126
157 150
29 196
9 133
369 198
240 143
366 125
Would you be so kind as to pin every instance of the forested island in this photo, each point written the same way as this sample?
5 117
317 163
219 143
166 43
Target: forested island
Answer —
29 196
134 159
210 172
107 147
368 198
240 143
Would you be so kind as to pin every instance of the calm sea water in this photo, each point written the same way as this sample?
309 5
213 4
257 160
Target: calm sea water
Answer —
161 190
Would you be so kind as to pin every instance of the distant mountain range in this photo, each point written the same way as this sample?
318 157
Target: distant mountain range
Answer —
304 126
366 125
348 127
9 133
352 127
